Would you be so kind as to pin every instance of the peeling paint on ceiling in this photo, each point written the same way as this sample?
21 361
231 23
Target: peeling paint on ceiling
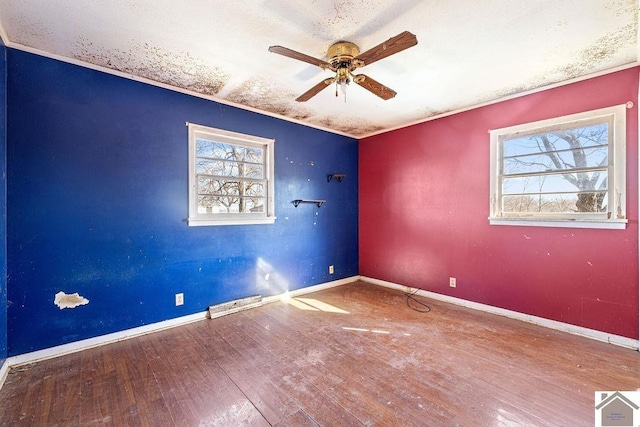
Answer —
469 52
176 69
266 95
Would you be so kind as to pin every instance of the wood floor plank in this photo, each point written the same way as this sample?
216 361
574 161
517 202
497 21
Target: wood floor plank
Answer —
295 350
299 419
270 400
351 355
316 404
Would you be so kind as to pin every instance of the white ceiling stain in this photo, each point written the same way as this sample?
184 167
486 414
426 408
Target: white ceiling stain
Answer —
469 52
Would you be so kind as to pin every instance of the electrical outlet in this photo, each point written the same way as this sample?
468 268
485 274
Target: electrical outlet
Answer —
179 299
331 269
452 282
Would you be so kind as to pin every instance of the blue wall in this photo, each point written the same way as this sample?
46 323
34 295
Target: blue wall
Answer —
3 203
97 198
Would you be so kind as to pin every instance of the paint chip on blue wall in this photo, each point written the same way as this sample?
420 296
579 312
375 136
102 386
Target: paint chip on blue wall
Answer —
63 300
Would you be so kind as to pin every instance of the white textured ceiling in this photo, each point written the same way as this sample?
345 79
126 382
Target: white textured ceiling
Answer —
469 52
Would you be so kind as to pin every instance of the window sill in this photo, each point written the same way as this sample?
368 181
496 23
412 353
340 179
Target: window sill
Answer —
612 224
193 222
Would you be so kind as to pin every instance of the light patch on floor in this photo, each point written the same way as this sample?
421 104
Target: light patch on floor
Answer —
322 306
312 304
239 413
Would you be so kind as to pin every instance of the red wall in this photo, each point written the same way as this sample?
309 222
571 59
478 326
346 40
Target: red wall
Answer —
424 204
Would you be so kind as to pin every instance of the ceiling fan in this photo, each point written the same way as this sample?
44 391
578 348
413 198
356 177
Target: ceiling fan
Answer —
344 57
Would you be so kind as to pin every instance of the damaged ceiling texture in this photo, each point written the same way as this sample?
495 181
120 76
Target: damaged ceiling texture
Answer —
469 52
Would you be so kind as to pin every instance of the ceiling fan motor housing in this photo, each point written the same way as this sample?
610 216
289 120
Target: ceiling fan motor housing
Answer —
341 54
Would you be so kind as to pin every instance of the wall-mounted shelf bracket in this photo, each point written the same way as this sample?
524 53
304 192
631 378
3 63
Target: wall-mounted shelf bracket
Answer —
317 202
337 176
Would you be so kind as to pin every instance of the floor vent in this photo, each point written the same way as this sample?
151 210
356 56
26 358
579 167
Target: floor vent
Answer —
234 306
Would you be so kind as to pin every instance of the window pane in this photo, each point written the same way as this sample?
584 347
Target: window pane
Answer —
227 204
204 148
556 203
218 186
212 149
571 159
215 204
555 183
581 137
253 171
563 150
254 204
216 167
559 170
229 168
220 150
230 177
254 189
254 155
225 187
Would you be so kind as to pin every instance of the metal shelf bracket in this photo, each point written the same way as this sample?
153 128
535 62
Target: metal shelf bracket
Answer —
337 176
318 203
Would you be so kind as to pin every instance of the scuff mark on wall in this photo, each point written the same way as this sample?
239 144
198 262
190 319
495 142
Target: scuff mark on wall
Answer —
63 300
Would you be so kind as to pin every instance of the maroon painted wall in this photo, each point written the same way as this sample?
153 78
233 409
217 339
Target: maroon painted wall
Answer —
424 203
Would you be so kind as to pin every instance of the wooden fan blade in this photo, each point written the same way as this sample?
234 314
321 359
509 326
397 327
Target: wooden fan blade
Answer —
374 87
299 56
394 45
315 90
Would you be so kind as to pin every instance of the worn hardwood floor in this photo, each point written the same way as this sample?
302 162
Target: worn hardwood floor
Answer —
351 355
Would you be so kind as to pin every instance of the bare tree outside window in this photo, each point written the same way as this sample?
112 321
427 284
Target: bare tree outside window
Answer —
559 171
567 171
230 177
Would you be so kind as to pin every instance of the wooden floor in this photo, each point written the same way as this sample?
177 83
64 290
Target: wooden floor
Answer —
351 355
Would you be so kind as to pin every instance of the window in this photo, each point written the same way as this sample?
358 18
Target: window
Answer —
230 178
563 172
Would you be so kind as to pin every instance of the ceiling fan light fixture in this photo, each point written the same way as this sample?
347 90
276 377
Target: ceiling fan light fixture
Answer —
343 78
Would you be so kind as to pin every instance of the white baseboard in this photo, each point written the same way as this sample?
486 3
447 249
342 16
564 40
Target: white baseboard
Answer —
552 324
309 289
76 346
4 371
154 327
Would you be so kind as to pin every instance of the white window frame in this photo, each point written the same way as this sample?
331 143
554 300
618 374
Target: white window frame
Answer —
615 219
242 218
